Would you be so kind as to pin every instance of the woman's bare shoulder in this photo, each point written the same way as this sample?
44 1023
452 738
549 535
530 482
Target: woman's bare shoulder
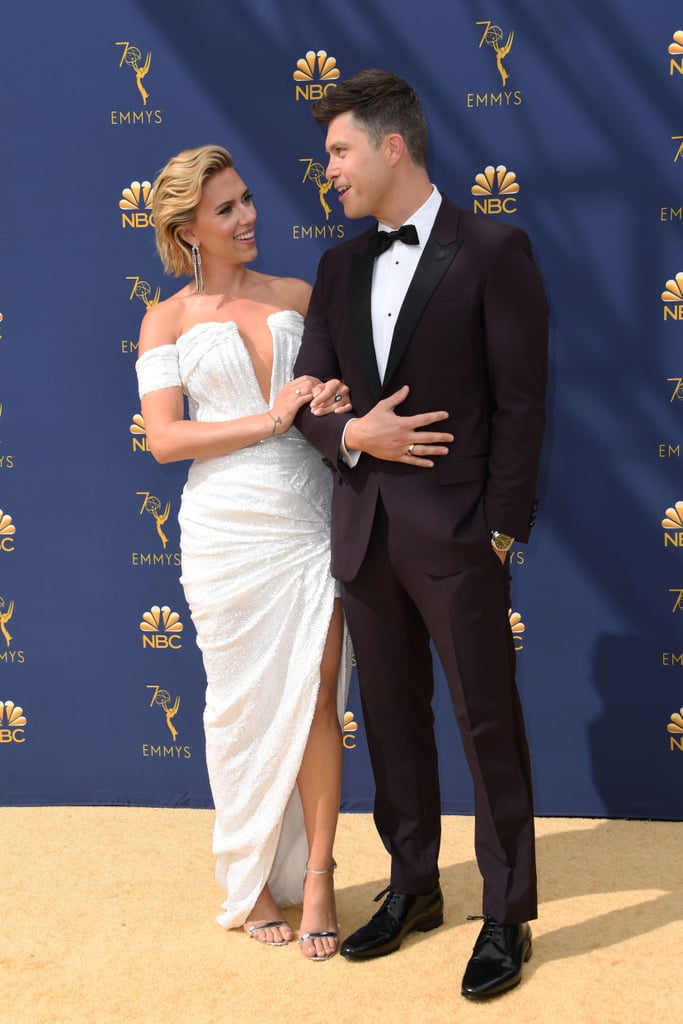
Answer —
162 323
291 293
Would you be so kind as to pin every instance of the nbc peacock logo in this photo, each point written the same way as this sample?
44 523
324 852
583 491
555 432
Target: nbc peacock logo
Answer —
517 628
161 629
676 53
672 524
349 730
12 722
135 202
315 74
495 189
675 730
672 297
138 433
7 532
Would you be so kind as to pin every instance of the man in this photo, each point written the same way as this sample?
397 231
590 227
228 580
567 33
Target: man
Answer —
449 317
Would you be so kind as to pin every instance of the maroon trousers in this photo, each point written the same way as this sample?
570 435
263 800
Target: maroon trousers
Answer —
393 609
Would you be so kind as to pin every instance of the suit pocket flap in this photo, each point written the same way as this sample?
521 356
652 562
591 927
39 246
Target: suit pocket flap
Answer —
458 471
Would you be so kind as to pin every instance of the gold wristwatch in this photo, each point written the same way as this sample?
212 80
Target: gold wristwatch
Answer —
501 541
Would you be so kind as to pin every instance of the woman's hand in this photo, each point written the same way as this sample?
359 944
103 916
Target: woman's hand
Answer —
332 396
294 394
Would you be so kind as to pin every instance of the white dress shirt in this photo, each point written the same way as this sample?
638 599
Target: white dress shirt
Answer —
392 273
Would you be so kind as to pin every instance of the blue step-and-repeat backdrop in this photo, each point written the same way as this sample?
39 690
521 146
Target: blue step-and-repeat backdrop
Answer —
564 118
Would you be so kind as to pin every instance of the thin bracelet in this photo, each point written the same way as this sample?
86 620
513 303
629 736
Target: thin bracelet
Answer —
275 423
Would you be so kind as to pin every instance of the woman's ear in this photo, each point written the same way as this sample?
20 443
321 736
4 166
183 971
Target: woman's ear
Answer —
188 235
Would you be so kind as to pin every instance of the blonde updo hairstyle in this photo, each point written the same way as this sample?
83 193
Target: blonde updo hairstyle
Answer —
176 195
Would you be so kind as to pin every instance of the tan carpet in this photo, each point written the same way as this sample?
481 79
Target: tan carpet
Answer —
108 916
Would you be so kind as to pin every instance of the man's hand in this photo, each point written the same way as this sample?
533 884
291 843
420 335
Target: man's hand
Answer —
397 438
332 396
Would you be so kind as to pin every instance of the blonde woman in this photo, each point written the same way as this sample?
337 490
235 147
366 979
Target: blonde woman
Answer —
255 545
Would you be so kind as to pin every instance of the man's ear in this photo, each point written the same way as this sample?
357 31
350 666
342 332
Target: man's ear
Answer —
395 147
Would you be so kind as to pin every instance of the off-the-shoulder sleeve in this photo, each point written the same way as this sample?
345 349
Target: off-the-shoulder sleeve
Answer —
158 368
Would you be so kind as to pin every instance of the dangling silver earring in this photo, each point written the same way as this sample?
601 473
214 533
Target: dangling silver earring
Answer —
197 264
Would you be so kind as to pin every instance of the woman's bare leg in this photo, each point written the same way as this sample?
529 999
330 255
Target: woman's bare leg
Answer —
319 784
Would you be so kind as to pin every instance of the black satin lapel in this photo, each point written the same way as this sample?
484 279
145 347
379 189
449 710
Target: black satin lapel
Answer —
360 317
434 262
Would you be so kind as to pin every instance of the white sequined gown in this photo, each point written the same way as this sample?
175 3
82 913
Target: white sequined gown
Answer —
255 546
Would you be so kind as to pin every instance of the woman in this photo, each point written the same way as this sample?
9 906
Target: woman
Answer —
254 521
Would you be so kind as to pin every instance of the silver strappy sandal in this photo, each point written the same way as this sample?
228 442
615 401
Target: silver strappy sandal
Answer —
268 924
309 936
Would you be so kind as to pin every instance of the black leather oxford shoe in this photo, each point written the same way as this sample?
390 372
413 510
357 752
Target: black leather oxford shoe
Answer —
399 914
496 962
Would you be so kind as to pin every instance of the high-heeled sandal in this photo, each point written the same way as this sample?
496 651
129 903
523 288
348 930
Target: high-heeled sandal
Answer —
310 936
261 925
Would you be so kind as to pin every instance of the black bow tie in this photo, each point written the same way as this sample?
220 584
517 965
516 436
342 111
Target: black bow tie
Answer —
383 240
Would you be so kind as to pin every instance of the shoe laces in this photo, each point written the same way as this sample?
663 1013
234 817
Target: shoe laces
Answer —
492 931
389 901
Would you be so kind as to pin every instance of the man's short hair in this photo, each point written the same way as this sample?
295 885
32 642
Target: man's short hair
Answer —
381 103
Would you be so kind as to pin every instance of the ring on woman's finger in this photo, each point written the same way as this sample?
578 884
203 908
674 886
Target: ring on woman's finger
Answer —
337 397
298 391
410 449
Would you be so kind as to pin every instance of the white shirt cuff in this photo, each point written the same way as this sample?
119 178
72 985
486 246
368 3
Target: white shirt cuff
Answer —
349 458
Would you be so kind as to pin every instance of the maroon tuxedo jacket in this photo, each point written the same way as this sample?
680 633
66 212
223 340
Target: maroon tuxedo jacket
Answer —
471 338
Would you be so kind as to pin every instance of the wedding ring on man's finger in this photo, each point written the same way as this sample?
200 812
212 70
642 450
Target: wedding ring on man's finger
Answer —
410 449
